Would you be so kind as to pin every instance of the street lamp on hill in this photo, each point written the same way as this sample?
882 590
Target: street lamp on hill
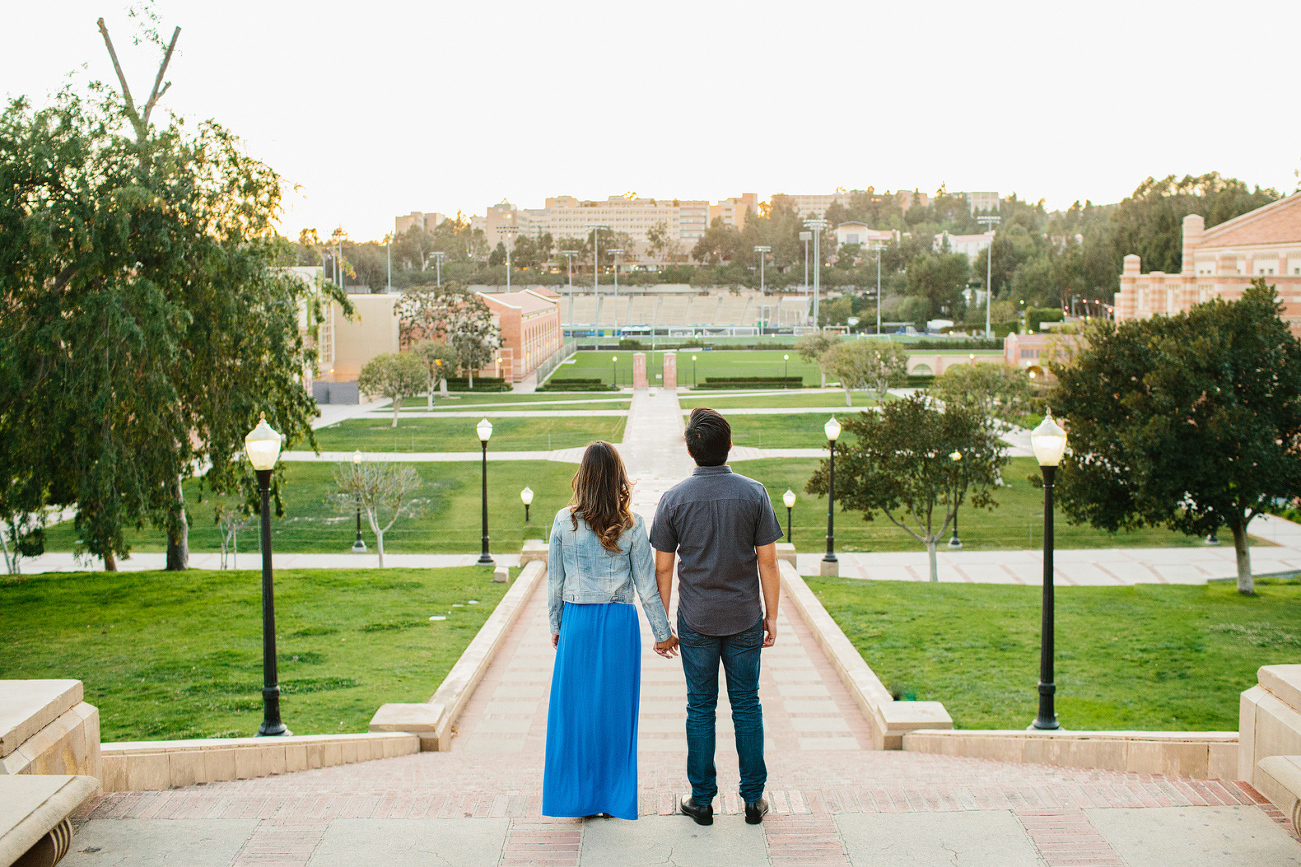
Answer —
789 499
526 496
763 255
263 448
955 542
358 546
484 429
832 430
1049 443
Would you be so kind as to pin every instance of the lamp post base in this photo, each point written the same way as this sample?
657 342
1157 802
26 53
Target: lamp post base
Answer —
359 547
273 730
485 560
955 543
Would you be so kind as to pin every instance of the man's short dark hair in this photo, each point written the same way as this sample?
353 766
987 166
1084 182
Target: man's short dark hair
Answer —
709 437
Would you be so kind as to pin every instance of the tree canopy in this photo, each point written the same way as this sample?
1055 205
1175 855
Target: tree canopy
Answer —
1191 421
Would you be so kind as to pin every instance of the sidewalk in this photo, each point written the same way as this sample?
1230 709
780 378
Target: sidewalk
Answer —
835 801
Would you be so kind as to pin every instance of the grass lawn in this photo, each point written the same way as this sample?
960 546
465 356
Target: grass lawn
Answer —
507 400
1016 523
793 430
757 362
168 655
774 400
1147 657
450 523
376 434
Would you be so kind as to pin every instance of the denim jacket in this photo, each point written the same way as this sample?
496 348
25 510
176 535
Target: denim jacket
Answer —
582 571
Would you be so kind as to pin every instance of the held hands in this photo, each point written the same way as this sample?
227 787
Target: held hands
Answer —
555 641
769 631
668 648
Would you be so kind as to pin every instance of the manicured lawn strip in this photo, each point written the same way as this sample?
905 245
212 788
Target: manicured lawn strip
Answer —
1017 522
774 400
179 654
1149 657
792 430
507 400
541 433
451 522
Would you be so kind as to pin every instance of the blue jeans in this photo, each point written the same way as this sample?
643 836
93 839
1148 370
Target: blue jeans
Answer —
739 654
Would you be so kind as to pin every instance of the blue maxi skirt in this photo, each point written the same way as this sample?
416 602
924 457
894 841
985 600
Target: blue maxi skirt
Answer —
591 756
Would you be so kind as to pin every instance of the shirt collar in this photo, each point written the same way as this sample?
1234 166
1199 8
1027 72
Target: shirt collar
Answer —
711 471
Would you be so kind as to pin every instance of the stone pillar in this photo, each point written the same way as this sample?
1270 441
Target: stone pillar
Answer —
670 370
1127 298
1194 229
639 370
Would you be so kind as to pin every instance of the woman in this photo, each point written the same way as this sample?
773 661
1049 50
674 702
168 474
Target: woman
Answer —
599 555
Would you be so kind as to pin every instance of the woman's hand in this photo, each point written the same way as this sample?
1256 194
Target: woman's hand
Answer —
555 641
668 648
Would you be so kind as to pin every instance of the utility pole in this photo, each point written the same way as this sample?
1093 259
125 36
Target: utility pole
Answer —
989 222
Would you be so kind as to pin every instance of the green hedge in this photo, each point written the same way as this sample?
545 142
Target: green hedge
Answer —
919 380
752 382
481 383
575 384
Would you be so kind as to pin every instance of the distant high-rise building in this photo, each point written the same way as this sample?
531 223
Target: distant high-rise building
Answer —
426 221
981 201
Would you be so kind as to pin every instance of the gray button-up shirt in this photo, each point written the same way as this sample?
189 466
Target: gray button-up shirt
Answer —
713 521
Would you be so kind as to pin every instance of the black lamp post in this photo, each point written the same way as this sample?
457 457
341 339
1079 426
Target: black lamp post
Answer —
614 370
955 542
1049 443
693 371
484 429
263 448
786 368
527 496
832 430
789 499
359 546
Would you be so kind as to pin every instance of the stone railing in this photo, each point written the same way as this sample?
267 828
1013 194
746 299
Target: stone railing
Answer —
1269 728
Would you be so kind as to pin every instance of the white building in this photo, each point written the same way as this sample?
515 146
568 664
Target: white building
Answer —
851 232
968 245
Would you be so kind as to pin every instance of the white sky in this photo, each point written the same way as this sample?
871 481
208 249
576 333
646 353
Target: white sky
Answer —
380 108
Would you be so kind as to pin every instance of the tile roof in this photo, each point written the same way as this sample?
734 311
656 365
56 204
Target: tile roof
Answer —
1276 223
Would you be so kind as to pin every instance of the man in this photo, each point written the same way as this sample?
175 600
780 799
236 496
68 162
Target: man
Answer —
721 528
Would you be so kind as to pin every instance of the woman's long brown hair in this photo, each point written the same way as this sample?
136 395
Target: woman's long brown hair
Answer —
602 495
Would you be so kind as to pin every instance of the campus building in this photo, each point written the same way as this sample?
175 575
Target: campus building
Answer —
968 245
852 232
1221 262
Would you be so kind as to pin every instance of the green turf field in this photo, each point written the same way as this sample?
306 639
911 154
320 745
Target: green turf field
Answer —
375 433
1147 657
509 400
774 400
792 430
168 655
720 363
450 499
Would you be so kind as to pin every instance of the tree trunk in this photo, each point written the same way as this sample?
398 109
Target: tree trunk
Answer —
397 408
379 546
442 386
848 401
470 377
178 534
930 553
110 562
430 394
1246 584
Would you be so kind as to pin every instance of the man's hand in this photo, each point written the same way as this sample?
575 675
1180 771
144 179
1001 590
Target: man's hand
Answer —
668 648
555 641
769 631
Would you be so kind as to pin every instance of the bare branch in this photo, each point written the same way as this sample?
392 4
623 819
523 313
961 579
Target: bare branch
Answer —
159 86
126 90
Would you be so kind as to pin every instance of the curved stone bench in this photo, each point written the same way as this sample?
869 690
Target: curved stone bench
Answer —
34 811
1279 779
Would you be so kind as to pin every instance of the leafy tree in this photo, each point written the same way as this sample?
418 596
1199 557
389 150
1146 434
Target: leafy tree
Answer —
996 390
438 359
395 375
940 279
1192 421
811 348
139 285
901 463
871 365
453 315
381 490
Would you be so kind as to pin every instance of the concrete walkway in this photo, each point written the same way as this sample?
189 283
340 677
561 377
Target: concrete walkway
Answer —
835 800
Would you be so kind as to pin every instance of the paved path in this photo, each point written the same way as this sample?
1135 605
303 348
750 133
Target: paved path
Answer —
835 801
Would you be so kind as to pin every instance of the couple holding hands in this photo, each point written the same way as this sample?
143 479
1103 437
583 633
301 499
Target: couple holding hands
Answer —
720 530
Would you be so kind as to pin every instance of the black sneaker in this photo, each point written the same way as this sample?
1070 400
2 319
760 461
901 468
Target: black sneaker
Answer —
702 815
755 812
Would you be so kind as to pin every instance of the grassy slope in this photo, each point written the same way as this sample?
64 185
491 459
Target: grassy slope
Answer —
1148 657
173 655
375 433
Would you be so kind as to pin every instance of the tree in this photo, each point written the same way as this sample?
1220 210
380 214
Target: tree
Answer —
901 463
940 279
380 489
395 375
811 348
146 322
871 365
453 315
1192 421
998 391
438 359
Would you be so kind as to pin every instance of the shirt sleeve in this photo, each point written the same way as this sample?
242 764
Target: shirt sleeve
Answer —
767 529
663 536
555 577
643 578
